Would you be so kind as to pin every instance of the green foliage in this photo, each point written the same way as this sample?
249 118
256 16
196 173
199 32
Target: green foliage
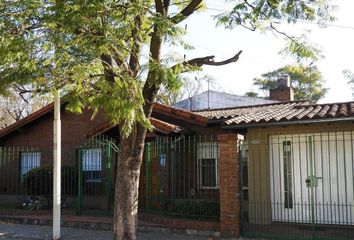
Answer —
301 49
265 14
196 209
59 44
39 181
307 82
254 13
251 94
349 75
188 86
85 48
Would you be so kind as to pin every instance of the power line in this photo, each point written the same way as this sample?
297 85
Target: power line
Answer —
302 21
329 25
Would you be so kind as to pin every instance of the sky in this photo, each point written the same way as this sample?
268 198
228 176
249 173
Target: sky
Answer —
260 51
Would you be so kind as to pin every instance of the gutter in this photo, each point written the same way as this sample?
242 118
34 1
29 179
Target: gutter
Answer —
287 123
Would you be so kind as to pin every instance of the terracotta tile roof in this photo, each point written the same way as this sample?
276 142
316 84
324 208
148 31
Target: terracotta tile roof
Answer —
164 127
176 113
160 126
280 112
164 109
100 129
41 112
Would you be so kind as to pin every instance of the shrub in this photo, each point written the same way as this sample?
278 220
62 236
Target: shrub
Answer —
39 181
196 208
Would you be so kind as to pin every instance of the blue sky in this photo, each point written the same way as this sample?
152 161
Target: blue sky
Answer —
260 51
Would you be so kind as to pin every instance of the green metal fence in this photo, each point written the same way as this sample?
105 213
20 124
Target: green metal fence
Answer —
95 164
179 177
182 177
26 177
298 186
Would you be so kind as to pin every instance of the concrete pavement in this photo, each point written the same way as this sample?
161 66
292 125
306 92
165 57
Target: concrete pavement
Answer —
36 232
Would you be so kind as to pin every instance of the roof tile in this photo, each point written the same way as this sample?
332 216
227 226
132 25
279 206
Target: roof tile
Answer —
277 112
332 112
313 112
323 111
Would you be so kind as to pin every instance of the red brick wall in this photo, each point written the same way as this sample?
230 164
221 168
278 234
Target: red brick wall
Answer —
282 94
229 186
39 134
166 221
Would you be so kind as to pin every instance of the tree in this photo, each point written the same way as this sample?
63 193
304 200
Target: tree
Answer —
189 87
93 50
19 103
349 75
251 94
307 82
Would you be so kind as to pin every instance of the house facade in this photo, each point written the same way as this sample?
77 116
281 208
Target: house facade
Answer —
88 156
296 167
267 170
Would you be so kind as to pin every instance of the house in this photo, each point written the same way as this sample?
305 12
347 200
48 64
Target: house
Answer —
27 144
297 163
213 99
266 170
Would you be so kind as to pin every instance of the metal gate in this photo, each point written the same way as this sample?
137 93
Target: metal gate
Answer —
95 174
298 186
182 177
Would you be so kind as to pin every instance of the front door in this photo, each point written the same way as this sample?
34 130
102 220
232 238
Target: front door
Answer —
312 177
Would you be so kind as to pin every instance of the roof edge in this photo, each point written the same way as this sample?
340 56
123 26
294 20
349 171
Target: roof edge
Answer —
287 123
24 121
251 106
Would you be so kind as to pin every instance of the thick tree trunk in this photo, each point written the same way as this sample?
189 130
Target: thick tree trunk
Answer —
132 148
127 186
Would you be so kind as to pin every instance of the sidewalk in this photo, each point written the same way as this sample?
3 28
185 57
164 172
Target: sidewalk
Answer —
36 232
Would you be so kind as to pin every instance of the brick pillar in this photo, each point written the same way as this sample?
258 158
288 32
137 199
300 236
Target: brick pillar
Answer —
229 186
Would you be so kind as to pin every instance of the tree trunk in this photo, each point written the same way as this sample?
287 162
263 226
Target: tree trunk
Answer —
127 186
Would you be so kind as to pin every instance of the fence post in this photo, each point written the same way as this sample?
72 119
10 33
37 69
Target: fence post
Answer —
148 176
229 185
108 174
79 182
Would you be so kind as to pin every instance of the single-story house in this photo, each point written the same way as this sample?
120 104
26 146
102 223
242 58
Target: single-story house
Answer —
275 169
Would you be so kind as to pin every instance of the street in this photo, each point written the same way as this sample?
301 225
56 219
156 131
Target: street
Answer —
36 232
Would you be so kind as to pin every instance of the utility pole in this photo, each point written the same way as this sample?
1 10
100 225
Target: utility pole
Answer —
208 80
57 167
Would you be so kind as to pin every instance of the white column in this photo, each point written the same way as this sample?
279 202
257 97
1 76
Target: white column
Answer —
57 167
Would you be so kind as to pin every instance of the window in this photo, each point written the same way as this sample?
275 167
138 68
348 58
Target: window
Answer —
208 177
92 164
288 187
29 160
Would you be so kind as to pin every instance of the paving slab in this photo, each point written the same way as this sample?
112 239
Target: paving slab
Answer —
36 232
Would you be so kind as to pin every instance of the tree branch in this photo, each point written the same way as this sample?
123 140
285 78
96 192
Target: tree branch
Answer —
159 7
187 11
280 32
22 90
134 61
209 60
106 61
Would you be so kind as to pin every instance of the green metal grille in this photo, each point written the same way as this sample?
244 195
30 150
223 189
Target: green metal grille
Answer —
26 177
182 177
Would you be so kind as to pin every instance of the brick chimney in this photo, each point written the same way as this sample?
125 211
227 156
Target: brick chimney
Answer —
284 91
